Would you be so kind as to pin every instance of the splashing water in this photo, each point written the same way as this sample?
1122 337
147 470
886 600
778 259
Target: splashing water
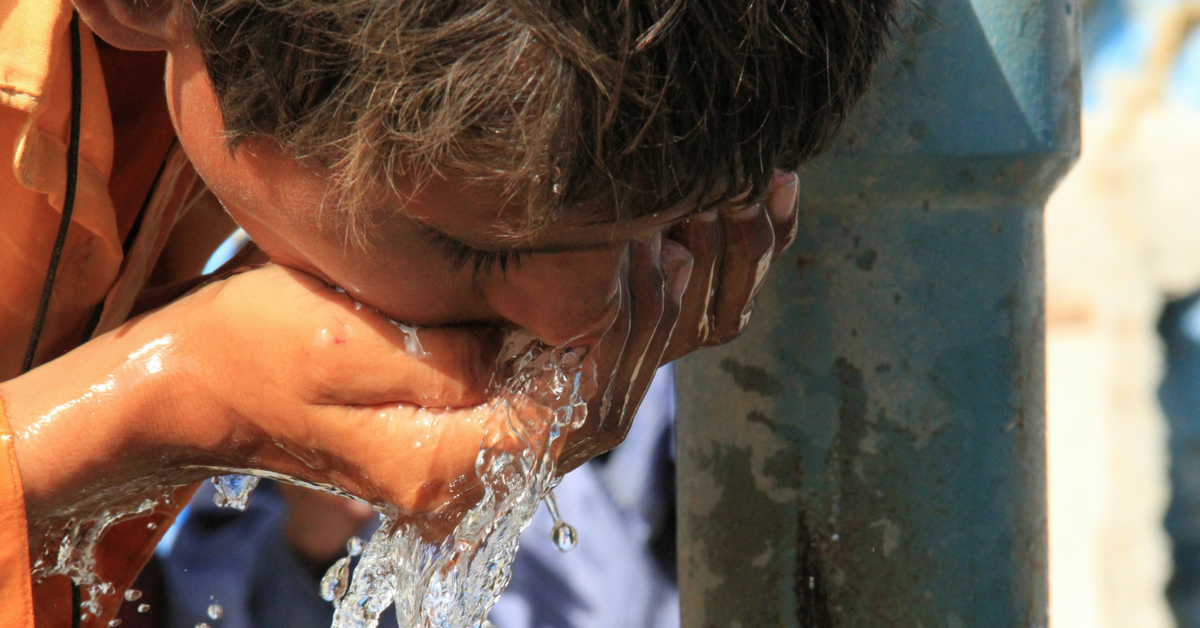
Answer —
68 546
336 581
453 582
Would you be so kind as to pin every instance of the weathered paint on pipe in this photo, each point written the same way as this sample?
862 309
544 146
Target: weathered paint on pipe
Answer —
872 451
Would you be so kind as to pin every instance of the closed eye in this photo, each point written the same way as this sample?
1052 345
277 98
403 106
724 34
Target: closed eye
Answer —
460 255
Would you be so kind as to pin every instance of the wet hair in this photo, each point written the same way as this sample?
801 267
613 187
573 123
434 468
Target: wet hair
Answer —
623 106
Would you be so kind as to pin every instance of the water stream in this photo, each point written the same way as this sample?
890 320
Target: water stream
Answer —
453 580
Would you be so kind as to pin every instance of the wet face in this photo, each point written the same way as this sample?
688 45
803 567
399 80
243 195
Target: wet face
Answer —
436 254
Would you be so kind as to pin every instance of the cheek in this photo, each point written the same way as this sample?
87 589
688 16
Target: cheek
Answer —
194 109
560 297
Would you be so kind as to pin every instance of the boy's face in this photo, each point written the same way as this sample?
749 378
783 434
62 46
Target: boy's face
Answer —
437 254
419 261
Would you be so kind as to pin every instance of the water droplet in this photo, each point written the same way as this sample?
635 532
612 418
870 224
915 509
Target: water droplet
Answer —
412 342
556 188
142 608
133 595
215 611
233 491
836 537
114 623
202 625
151 526
336 581
354 546
564 536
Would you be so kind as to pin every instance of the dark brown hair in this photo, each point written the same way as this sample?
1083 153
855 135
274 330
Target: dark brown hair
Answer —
629 105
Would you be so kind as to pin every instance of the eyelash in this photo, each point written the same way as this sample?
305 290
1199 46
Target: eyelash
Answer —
480 260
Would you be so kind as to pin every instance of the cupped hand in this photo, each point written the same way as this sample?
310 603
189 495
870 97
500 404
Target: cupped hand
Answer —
693 288
319 388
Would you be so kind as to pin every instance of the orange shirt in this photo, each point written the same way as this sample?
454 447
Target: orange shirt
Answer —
125 137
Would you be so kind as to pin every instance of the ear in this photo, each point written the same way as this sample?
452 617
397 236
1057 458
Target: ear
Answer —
133 24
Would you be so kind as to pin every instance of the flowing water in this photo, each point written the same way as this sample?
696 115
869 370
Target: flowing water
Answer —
453 580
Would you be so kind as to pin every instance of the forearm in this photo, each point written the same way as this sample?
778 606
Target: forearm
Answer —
97 417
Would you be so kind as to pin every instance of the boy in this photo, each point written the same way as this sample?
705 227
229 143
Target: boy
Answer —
600 173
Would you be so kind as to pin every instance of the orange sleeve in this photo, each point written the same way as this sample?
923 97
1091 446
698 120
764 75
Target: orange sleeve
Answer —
16 601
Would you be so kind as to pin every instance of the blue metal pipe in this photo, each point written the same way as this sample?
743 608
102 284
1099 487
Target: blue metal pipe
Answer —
872 451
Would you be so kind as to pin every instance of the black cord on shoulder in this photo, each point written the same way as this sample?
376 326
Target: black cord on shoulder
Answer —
76 605
64 223
39 320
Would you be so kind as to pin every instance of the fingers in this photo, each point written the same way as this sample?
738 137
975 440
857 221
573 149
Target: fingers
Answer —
702 237
782 208
677 263
749 244
732 253
660 271
609 362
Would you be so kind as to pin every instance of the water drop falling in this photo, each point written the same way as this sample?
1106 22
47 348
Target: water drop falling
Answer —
564 536
142 608
354 546
336 581
202 625
215 611
133 595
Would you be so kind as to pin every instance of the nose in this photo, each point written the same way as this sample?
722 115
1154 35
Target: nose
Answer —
560 297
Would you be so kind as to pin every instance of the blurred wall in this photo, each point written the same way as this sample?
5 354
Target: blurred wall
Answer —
1122 237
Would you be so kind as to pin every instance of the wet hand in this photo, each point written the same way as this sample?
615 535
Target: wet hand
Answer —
693 288
318 388
733 250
